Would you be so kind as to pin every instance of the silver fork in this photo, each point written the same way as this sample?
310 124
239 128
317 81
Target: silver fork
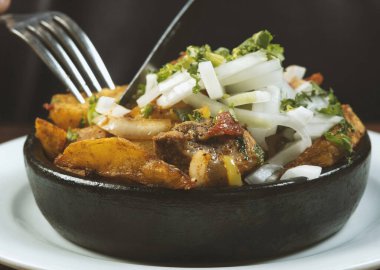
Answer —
64 48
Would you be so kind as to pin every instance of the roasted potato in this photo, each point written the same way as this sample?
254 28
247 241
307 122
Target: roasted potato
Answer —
52 138
122 159
66 112
325 153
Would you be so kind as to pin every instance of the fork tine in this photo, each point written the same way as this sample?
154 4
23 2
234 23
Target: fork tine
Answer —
71 48
86 47
49 60
62 57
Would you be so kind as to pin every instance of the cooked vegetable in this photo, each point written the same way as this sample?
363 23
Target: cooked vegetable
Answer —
52 138
210 81
216 115
233 174
121 159
308 171
140 129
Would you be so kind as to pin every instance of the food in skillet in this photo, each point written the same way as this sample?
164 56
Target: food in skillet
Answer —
210 118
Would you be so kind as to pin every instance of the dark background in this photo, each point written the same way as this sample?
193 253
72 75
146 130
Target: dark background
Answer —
340 38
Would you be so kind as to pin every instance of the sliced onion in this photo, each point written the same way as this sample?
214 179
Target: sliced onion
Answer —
304 87
133 129
272 78
236 66
301 114
172 81
259 134
247 98
265 173
148 97
273 105
151 82
287 92
108 106
200 100
318 125
317 103
210 81
178 93
253 72
294 72
308 171
105 105
119 111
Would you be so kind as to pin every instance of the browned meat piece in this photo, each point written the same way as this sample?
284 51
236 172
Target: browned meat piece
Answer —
91 132
325 153
190 144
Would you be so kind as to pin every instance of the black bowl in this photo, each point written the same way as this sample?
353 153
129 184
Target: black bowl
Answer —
205 226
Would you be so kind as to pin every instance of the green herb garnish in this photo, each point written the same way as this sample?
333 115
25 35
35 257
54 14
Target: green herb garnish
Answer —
147 110
91 113
71 135
340 139
259 41
196 116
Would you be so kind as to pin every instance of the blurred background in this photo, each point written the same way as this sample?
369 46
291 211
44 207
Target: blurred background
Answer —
338 38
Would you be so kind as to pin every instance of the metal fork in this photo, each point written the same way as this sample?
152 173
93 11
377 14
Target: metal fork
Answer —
64 48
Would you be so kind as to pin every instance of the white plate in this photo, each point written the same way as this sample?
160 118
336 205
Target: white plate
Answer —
28 241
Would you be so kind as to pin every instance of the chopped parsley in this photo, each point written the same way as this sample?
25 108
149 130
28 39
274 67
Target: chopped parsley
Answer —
147 110
183 114
71 135
340 139
334 107
259 41
196 116
91 113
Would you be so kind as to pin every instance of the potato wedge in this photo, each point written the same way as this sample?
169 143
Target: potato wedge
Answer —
325 153
120 158
66 112
52 138
91 132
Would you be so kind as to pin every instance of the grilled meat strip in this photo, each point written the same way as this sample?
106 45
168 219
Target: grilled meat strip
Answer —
198 148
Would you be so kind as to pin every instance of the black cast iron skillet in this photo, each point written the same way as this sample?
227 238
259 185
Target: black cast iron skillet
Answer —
214 226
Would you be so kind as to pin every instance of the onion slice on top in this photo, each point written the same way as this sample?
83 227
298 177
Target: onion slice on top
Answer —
172 81
254 71
247 98
236 66
148 97
133 129
178 93
210 81
272 78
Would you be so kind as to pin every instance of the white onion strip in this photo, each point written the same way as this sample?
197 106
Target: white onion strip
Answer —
178 93
213 87
172 81
148 97
247 98
236 66
308 171
265 173
253 72
133 129
272 78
